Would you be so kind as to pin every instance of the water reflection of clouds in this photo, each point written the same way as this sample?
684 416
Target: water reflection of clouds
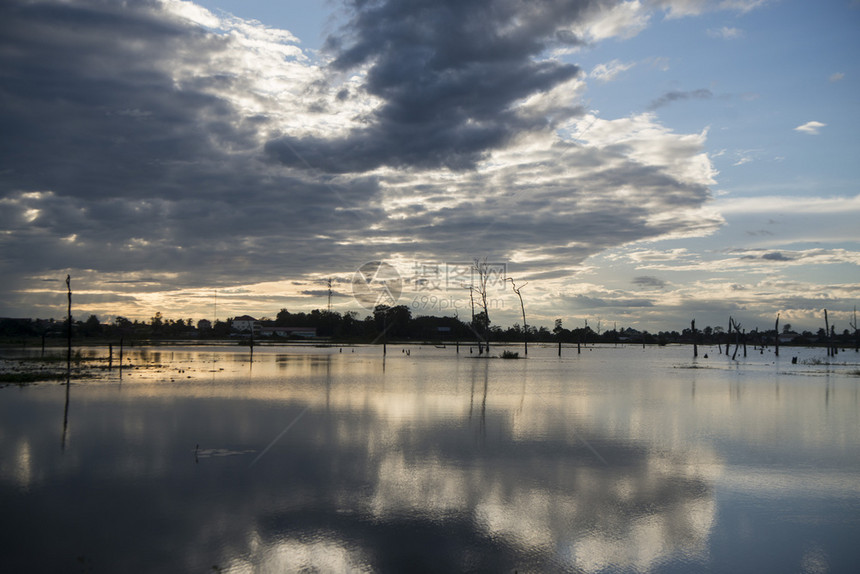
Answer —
560 503
462 467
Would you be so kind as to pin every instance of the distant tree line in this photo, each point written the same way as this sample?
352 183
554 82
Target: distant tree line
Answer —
396 323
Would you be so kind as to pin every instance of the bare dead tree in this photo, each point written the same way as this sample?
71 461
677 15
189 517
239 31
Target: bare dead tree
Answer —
853 325
833 345
523 307
776 337
69 319
827 334
737 327
68 364
695 346
472 300
482 268
729 336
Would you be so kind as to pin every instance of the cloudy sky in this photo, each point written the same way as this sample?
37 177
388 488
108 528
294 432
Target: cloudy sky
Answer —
640 162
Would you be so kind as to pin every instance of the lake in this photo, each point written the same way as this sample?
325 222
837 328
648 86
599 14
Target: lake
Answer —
615 459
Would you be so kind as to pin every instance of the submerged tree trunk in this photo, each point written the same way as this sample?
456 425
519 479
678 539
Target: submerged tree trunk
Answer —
729 338
483 271
776 337
833 344
695 347
737 328
856 332
523 307
69 332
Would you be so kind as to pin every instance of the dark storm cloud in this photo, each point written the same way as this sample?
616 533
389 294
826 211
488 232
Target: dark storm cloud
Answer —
674 96
87 93
775 256
110 161
447 73
583 301
137 149
649 282
325 293
771 256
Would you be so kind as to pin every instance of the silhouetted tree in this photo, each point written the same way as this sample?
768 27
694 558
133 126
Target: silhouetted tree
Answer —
523 307
92 327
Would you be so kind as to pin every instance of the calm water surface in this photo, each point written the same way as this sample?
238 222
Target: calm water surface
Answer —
311 459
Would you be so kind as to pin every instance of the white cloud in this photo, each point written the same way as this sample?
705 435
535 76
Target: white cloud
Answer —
683 8
192 12
725 32
647 255
811 128
660 63
836 77
623 20
765 204
652 144
745 156
742 6
610 70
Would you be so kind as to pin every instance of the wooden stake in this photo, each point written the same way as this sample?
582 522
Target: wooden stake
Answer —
695 347
69 318
776 342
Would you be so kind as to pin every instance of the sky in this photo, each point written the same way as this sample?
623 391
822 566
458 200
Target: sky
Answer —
639 163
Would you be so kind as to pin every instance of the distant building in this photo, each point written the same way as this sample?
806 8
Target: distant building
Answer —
245 324
272 331
788 337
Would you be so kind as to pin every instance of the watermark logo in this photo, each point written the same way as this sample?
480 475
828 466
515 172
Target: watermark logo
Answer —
376 283
453 275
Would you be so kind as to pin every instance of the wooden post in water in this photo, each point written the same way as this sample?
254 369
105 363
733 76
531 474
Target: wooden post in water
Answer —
110 356
827 333
559 347
69 333
856 332
695 346
737 340
120 357
833 340
729 337
776 337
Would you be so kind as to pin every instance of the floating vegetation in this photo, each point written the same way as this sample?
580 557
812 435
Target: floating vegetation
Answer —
23 378
49 368
510 355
